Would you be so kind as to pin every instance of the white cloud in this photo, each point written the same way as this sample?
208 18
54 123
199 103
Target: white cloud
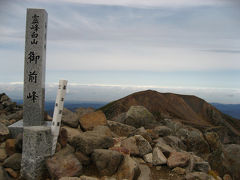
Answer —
144 3
108 92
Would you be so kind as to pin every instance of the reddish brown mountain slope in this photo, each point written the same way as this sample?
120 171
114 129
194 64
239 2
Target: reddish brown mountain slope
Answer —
189 109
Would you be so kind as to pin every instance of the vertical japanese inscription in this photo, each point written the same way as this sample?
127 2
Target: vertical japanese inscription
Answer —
34 67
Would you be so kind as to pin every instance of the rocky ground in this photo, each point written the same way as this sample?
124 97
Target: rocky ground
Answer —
133 145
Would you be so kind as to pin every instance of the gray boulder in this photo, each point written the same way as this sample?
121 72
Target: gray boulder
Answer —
120 129
64 164
106 161
158 157
138 116
90 140
70 118
194 140
137 145
162 131
4 132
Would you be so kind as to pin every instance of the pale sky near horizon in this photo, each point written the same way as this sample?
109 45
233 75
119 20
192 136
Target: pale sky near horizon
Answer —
181 46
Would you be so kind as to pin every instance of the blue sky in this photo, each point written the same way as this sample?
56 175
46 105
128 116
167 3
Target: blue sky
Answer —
180 46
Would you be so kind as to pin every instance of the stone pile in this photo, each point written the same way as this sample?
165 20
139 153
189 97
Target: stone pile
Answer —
90 147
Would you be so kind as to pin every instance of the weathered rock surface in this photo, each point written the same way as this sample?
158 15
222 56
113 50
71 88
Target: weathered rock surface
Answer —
71 132
145 172
10 146
178 159
143 132
166 149
213 140
137 145
106 161
93 119
174 142
148 158
194 140
179 171
103 130
129 169
63 164
88 141
231 159
138 116
14 161
158 157
69 118
162 131
4 132
3 154
85 160
120 129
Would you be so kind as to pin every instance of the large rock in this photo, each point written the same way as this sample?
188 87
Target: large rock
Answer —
103 130
162 131
194 140
85 160
144 133
166 149
106 161
145 172
158 157
175 142
90 140
69 118
3 154
10 146
137 145
129 169
71 132
178 159
139 116
231 159
4 132
91 120
172 124
120 129
13 162
63 164
148 158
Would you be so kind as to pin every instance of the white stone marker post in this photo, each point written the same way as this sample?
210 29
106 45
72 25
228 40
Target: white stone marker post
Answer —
34 67
57 115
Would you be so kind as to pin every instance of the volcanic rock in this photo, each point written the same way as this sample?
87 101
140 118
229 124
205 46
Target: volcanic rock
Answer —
178 159
88 141
69 118
129 169
120 129
93 119
106 161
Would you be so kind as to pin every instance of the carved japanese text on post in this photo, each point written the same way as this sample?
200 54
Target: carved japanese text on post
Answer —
34 67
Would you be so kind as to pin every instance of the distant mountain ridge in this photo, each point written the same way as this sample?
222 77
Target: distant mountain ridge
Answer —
187 109
230 109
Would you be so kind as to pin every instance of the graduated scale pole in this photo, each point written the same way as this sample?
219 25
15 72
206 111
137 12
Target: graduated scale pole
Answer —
57 115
